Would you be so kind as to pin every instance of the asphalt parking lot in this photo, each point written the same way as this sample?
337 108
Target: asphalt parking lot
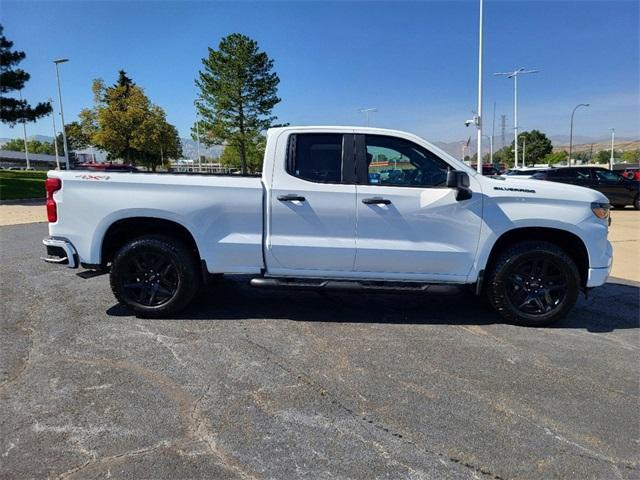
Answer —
272 384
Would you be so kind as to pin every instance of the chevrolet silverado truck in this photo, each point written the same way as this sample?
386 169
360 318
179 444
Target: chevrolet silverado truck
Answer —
335 208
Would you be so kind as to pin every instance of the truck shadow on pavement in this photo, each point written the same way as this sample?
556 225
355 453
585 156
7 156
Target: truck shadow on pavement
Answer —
610 307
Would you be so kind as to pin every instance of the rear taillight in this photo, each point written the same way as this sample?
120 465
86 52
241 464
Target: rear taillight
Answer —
52 185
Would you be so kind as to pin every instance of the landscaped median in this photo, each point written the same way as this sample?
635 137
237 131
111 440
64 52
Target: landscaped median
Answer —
16 184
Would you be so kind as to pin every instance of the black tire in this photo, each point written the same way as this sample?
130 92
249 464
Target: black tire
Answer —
619 206
636 202
533 284
155 276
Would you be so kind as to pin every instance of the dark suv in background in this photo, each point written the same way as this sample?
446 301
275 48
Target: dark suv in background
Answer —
619 190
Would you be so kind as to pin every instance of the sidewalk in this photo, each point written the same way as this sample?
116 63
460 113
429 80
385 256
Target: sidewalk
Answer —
17 212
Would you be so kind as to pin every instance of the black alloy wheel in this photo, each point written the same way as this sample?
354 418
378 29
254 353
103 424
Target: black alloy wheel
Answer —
536 286
532 283
155 276
150 279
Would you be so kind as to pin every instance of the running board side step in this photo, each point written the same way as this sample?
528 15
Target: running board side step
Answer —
351 285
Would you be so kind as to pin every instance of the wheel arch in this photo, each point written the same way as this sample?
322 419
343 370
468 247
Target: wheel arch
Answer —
571 243
126 229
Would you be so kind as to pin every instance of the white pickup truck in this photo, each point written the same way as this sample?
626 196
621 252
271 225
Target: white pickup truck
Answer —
336 207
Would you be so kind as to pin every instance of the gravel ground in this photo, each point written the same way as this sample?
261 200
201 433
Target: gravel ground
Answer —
272 384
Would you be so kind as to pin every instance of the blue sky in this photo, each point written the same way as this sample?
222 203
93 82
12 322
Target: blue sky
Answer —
415 61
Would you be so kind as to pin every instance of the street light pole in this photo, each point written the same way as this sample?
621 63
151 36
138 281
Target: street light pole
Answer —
613 136
493 132
24 136
55 135
64 133
571 162
490 138
198 136
514 75
479 115
367 111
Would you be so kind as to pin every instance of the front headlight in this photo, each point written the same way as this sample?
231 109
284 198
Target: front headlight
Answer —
600 210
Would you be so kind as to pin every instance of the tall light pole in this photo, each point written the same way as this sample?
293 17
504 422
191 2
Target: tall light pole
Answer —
64 134
514 75
613 137
24 136
55 134
490 138
478 118
493 132
571 162
368 111
198 136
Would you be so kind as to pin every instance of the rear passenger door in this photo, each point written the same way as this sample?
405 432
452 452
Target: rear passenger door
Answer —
313 207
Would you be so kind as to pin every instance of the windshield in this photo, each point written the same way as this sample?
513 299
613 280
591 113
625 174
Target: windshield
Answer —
522 172
606 175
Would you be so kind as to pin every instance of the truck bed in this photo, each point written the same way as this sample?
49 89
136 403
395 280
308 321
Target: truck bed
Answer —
223 212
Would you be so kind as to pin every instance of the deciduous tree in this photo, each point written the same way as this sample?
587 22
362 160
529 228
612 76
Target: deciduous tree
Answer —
230 157
127 125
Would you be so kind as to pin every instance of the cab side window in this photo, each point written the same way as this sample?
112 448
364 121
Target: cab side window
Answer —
316 157
398 162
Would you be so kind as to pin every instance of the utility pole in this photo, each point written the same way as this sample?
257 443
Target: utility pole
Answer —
514 75
503 126
524 152
613 136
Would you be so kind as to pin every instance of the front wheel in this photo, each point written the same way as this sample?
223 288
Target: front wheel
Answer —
533 284
155 276
636 202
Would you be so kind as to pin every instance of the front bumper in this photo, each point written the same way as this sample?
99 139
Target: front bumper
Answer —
60 251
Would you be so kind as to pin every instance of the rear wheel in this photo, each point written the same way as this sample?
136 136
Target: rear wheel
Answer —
636 202
533 284
155 276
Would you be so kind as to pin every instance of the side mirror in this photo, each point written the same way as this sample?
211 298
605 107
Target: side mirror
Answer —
459 180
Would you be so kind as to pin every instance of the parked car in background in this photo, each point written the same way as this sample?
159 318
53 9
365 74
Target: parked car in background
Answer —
631 174
488 169
107 167
525 172
619 190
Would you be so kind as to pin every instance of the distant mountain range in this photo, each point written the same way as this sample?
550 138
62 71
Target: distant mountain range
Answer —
560 142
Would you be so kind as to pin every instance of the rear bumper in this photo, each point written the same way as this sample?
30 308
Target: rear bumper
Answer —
60 251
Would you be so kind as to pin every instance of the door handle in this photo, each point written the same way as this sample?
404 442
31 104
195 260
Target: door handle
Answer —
292 197
376 201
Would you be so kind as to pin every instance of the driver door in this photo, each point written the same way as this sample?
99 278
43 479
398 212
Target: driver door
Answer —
409 224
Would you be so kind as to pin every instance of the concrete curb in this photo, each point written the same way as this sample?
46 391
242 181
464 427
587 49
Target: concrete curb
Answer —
24 201
623 281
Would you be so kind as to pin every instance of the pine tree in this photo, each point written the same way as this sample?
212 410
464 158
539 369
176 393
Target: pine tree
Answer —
14 110
238 91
